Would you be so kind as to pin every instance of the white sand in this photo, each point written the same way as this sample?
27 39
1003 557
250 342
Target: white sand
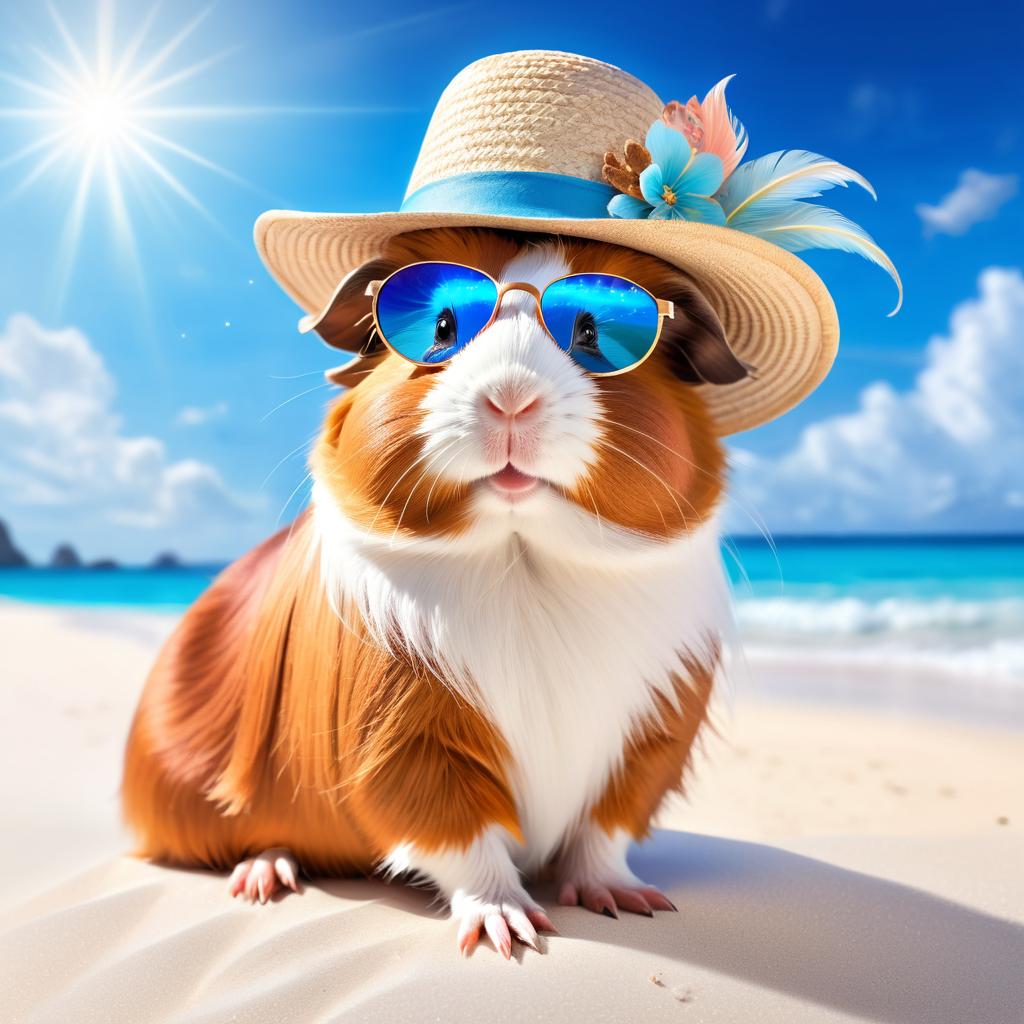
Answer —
849 866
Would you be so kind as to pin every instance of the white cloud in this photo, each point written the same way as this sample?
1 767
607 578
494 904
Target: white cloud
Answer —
977 197
198 415
946 454
66 461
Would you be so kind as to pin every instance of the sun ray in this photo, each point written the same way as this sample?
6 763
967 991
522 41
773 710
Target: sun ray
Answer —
166 51
34 88
181 76
121 219
104 38
33 147
76 54
68 247
175 185
30 114
38 170
57 68
118 208
189 154
200 112
133 46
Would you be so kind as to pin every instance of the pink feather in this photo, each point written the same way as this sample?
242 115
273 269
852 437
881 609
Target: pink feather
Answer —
710 127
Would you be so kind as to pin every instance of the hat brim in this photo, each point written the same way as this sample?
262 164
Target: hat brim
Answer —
777 314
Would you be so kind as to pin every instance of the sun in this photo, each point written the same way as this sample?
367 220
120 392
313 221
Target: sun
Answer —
107 121
101 116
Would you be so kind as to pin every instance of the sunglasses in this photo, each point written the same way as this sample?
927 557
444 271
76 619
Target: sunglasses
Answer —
427 312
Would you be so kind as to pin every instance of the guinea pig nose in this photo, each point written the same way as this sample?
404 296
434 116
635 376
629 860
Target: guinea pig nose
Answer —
508 405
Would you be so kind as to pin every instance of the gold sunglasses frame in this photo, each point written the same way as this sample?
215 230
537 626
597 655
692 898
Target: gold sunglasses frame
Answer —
666 308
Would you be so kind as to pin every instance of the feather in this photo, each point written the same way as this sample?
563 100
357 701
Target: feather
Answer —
760 186
797 226
761 198
723 134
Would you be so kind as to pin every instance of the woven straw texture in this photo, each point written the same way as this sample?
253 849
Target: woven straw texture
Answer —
556 112
533 111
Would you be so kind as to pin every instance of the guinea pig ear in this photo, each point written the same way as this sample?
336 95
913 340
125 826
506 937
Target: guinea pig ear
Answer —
695 340
347 321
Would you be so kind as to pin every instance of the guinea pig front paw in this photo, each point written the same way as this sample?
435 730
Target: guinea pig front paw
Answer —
263 877
608 896
502 918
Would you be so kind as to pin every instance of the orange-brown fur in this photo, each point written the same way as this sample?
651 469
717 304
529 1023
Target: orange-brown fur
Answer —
308 737
657 755
267 721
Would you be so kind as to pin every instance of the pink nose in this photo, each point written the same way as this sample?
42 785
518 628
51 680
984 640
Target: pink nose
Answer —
518 405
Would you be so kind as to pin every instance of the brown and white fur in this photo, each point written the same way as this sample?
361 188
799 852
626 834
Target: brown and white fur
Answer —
430 674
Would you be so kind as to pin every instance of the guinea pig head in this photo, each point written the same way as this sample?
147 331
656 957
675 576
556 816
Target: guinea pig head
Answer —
513 435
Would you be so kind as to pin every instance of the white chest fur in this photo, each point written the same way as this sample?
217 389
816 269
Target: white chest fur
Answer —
563 651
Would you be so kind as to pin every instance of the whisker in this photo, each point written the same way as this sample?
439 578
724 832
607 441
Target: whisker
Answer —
671 490
293 376
282 461
764 533
290 497
422 477
593 501
437 477
758 522
287 401
380 507
650 437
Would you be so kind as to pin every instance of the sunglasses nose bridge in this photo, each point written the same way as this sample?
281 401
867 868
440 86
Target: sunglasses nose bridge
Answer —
518 286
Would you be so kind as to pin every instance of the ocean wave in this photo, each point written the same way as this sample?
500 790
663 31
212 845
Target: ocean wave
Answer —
980 640
854 616
1000 663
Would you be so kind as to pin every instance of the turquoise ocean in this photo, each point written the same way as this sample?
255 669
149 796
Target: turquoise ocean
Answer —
949 606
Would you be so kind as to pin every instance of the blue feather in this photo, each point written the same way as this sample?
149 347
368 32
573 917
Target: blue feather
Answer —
797 226
765 183
761 198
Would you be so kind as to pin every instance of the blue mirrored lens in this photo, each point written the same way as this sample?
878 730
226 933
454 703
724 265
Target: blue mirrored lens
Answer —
428 311
605 323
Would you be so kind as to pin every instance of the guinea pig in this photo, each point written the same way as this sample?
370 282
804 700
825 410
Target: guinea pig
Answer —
485 651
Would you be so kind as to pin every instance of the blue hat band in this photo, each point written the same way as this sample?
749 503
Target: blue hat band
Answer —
514 194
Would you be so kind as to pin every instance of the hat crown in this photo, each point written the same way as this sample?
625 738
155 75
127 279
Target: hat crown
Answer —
533 110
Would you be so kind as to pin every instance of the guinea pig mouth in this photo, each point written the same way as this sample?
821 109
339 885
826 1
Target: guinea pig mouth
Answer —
512 483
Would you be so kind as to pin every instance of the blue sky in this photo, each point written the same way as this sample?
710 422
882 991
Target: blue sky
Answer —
336 100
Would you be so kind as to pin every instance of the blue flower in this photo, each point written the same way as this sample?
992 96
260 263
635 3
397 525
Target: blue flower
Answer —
677 185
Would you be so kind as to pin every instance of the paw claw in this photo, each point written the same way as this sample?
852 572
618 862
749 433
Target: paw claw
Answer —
629 895
658 900
236 883
258 879
633 901
469 935
504 920
541 921
598 899
568 896
285 868
521 926
497 931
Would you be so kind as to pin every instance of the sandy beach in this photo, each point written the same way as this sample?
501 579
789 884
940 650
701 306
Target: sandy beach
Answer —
835 861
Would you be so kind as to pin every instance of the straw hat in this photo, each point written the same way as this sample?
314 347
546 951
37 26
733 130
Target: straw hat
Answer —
517 141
